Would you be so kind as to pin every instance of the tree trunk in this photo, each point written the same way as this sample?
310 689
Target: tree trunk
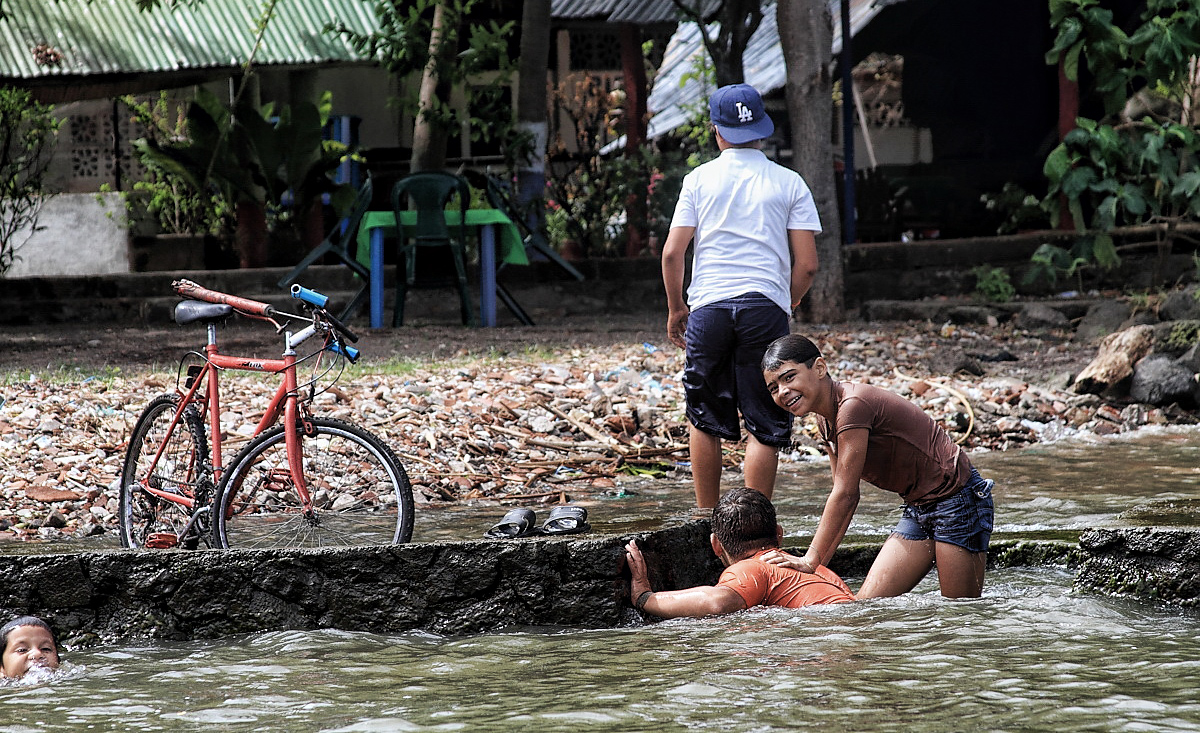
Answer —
429 134
532 104
633 67
251 236
806 35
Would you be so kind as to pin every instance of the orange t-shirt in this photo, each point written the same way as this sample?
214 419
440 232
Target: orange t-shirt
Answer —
760 583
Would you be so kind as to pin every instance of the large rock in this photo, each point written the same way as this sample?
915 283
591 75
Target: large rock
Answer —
447 587
1149 563
1176 337
1041 316
1181 305
1102 319
1161 380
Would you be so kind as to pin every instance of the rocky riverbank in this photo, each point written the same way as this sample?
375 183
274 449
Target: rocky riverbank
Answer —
489 415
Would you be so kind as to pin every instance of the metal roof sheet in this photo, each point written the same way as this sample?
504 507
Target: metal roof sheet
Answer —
642 12
763 62
112 36
579 9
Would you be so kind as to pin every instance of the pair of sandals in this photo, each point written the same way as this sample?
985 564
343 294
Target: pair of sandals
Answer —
522 522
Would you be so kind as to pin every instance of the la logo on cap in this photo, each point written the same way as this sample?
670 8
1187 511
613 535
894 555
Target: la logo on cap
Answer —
745 114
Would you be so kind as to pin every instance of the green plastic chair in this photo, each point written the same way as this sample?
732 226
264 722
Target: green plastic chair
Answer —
425 249
341 243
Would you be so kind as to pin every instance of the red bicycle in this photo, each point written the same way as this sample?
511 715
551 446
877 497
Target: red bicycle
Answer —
302 481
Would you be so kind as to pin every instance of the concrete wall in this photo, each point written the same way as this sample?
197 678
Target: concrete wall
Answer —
446 587
75 237
443 587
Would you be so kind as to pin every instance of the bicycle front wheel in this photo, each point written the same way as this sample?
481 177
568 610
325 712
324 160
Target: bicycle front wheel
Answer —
360 492
147 520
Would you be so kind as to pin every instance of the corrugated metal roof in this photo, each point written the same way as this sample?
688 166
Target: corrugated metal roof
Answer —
112 36
580 9
763 62
642 12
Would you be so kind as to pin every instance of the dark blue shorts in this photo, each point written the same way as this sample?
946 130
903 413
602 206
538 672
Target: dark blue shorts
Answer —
963 519
723 375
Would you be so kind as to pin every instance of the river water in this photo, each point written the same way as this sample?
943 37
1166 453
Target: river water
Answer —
1030 655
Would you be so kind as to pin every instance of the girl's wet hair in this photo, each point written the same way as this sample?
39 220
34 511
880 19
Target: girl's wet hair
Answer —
20 621
793 347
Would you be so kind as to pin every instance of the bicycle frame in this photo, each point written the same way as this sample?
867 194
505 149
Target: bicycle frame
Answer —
285 403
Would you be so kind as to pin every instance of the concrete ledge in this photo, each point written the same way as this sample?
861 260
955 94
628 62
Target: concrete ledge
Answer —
450 588
145 298
447 588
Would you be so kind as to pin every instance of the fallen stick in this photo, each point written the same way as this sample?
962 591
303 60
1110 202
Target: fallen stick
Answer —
588 430
962 398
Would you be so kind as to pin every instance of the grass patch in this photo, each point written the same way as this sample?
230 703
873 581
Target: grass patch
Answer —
63 374
400 366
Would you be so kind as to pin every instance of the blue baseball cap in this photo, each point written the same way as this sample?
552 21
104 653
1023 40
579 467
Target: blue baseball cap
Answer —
737 111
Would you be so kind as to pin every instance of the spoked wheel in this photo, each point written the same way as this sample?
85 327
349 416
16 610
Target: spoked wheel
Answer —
361 493
147 520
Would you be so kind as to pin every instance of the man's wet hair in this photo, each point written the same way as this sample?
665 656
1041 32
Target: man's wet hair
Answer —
744 521
792 347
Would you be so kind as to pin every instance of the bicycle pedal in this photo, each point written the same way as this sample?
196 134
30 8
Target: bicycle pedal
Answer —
161 540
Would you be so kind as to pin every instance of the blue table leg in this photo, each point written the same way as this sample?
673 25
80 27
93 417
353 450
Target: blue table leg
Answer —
377 278
487 276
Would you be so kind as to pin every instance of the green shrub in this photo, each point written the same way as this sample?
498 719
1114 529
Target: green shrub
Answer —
992 284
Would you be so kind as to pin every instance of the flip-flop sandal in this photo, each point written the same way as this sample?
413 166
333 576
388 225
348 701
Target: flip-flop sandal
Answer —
519 522
565 519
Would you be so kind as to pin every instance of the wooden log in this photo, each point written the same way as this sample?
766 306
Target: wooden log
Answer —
1114 362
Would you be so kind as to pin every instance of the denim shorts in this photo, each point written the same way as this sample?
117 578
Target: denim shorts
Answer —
723 375
963 519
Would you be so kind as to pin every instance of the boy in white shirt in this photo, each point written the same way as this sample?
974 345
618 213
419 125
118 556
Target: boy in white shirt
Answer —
753 223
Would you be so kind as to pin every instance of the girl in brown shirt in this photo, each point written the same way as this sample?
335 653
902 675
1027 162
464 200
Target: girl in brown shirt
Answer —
878 436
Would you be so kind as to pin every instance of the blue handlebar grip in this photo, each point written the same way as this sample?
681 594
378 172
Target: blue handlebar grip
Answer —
349 352
311 297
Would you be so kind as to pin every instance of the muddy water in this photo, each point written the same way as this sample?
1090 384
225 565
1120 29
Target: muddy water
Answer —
1029 655
1069 485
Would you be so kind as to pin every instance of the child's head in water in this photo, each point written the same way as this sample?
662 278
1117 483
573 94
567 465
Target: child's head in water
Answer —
26 642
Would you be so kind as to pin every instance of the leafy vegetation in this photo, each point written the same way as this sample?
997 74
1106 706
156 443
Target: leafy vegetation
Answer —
992 284
1134 174
590 192
27 137
483 69
273 161
167 202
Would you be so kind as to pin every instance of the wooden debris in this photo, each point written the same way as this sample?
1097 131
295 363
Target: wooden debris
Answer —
523 431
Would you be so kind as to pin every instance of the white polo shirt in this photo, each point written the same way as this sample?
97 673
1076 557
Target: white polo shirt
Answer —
742 205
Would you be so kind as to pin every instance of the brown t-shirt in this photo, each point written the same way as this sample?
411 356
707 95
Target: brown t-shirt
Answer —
764 584
907 452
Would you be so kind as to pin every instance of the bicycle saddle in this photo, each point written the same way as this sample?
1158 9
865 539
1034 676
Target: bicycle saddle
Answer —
190 311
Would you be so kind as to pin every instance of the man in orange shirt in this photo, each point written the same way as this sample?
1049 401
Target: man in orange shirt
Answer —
743 529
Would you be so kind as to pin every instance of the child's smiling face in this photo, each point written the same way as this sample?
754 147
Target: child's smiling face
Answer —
28 646
796 387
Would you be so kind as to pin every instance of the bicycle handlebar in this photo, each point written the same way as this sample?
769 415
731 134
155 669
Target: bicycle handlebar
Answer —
311 297
340 327
318 301
189 289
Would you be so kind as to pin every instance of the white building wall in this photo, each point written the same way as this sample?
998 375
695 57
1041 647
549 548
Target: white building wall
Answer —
75 236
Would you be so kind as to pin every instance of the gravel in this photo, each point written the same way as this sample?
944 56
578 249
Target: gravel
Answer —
579 406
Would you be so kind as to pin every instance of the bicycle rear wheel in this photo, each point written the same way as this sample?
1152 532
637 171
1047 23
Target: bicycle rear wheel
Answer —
147 520
361 493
